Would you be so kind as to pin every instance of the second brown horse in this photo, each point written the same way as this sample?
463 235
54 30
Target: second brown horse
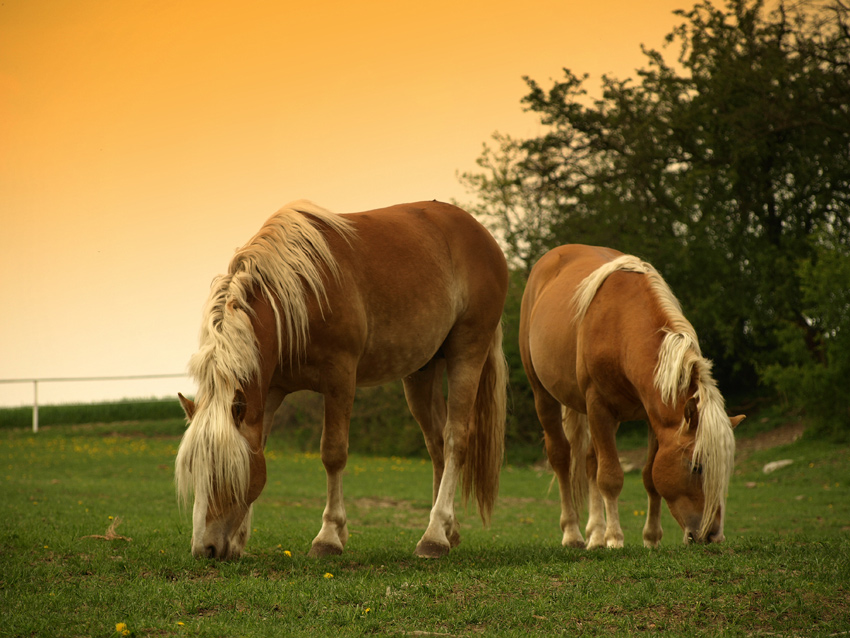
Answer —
603 340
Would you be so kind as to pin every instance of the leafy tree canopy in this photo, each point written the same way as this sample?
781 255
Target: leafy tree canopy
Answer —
727 167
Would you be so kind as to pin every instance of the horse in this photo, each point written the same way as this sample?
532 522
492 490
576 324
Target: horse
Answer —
603 340
325 302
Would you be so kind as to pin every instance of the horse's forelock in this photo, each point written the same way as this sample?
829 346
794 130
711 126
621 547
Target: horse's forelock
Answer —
212 454
213 458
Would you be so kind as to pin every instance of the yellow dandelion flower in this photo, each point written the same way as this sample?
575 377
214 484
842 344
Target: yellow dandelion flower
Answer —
120 626
329 575
287 553
180 623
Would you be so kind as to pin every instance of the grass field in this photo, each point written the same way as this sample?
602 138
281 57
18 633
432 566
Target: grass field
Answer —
784 570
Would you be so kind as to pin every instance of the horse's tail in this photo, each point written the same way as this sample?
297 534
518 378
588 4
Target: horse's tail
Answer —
486 442
577 430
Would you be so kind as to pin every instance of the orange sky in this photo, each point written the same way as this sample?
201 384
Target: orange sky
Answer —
141 142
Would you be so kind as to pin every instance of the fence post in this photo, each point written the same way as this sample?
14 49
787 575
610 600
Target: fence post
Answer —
35 405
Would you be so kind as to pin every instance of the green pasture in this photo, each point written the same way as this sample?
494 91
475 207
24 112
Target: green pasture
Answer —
784 570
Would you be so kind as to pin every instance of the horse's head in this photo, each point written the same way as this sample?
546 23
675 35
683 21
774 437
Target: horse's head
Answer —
690 471
221 460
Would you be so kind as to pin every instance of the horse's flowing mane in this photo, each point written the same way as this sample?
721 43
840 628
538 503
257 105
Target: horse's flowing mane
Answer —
282 262
679 362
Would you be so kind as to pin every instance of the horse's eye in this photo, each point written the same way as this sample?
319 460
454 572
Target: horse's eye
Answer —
696 468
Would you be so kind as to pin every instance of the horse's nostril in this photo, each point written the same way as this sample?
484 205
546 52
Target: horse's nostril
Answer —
691 537
210 551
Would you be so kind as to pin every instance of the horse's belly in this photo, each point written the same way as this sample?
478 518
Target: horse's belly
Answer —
390 357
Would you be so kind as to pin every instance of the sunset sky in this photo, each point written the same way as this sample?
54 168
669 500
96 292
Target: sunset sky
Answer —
141 142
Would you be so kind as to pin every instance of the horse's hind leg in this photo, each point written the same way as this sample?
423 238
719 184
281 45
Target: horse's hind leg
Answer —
559 452
652 531
334 449
424 392
464 361
595 528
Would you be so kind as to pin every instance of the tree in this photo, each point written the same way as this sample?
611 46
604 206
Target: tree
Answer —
727 169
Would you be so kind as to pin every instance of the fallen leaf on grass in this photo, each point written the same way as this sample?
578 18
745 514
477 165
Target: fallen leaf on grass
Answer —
110 532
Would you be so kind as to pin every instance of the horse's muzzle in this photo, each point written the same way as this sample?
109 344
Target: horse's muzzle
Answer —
212 551
712 537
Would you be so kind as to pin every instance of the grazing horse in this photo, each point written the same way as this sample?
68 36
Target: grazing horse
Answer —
324 302
603 340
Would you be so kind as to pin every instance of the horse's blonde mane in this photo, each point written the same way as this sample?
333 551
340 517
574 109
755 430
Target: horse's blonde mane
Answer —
282 262
680 361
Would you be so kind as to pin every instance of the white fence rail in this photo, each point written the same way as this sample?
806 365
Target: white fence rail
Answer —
35 383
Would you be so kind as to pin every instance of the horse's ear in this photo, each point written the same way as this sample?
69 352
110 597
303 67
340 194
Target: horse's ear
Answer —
737 419
691 413
188 406
239 407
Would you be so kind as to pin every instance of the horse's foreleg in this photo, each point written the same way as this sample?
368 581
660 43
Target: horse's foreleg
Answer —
652 531
424 392
334 449
609 473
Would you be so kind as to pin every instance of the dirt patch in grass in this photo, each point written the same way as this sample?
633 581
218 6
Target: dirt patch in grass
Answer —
783 435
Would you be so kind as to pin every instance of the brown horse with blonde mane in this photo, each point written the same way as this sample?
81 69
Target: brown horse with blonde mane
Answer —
324 302
603 340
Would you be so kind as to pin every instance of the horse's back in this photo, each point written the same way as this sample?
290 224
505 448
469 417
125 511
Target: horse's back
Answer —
411 273
430 227
427 248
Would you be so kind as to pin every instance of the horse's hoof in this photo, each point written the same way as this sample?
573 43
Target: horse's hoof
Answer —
595 543
575 544
430 549
324 549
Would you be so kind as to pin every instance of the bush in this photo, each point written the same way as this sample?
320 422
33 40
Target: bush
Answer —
815 373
